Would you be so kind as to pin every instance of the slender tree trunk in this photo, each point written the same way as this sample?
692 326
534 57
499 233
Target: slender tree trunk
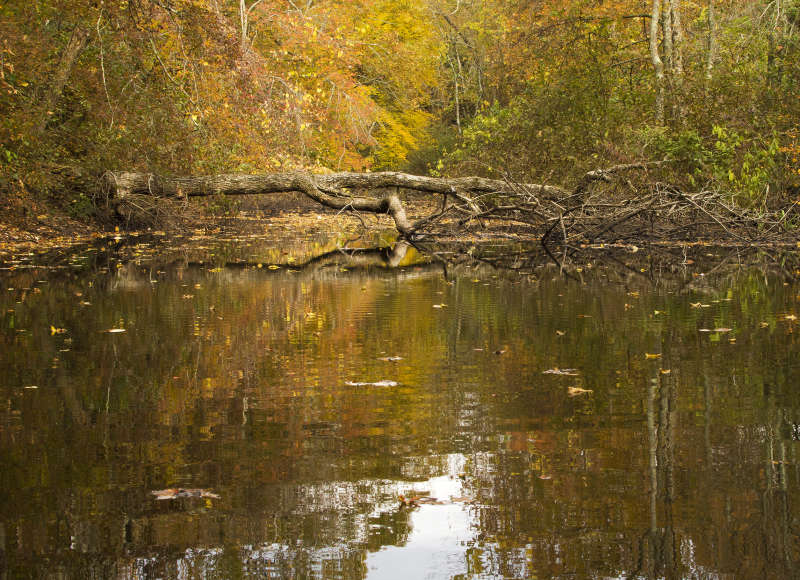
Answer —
666 24
60 76
667 44
776 42
244 24
455 94
677 62
711 43
655 58
244 43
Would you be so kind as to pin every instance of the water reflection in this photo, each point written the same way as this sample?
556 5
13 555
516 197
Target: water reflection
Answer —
311 386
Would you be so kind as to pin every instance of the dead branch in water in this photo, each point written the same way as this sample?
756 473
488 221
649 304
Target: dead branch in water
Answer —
555 215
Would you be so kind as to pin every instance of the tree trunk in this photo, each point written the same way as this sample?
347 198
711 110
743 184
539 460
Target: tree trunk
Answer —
679 98
53 91
711 43
666 24
655 58
330 190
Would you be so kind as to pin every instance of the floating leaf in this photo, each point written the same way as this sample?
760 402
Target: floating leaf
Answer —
375 384
179 492
648 355
462 499
390 358
575 391
116 330
54 330
558 371
417 500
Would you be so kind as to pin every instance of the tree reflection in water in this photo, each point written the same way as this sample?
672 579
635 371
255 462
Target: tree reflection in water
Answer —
264 385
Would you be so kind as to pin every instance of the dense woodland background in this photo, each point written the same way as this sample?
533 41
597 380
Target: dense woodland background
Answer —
537 90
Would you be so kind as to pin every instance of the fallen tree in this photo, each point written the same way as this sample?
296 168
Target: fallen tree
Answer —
648 210
330 190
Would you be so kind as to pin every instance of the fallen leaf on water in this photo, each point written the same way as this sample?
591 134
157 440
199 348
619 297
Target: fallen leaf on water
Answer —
463 499
764 324
427 499
575 391
417 500
390 358
790 317
666 371
648 355
375 384
54 330
116 330
179 492
722 329
558 371
560 332
439 305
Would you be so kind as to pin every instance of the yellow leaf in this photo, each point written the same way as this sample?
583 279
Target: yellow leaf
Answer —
648 355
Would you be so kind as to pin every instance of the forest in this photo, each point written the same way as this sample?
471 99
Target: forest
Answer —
692 97
400 288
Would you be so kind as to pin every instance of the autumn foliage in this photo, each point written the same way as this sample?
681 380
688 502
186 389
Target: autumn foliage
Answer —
541 91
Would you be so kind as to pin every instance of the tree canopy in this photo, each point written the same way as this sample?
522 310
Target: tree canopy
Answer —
542 91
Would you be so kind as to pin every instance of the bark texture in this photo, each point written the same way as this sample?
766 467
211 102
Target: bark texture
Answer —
49 100
332 190
657 62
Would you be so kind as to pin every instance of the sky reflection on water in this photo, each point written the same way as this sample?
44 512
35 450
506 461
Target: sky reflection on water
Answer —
625 424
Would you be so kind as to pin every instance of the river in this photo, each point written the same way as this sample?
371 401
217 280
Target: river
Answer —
245 408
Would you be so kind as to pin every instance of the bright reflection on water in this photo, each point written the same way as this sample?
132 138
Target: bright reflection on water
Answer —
638 419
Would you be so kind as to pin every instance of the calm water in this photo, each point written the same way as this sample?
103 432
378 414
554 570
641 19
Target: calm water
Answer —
637 419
